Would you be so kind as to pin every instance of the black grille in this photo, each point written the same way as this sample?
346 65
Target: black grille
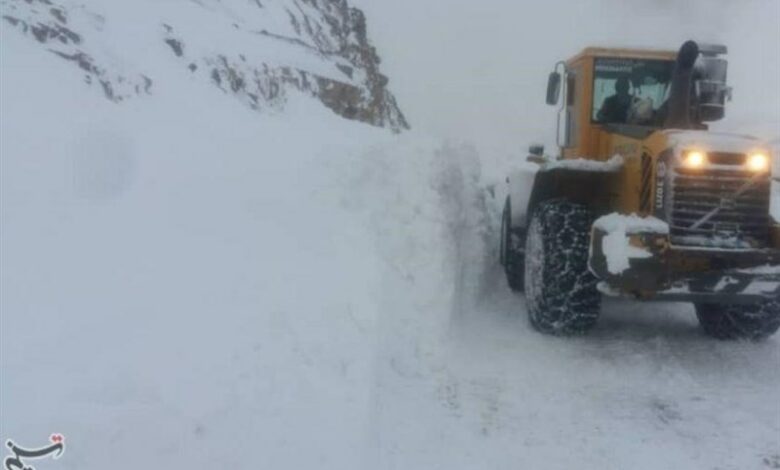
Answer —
723 158
742 220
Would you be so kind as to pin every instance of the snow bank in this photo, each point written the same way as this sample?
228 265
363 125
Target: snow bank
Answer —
204 286
182 279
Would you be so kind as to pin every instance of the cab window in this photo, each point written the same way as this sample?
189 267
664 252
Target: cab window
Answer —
629 91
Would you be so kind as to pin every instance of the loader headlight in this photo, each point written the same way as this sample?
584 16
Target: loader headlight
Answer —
758 162
694 159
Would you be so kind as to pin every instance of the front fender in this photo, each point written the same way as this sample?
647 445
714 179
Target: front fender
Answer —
582 181
521 185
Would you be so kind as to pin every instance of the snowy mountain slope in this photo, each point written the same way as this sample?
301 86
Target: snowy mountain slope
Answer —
257 51
179 279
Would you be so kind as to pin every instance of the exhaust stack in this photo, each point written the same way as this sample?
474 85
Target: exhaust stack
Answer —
699 90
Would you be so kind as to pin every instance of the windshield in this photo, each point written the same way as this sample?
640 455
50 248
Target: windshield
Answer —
629 91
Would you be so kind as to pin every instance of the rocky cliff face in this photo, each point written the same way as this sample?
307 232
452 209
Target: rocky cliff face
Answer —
258 51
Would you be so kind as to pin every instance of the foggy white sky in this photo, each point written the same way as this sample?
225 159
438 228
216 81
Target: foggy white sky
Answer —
476 70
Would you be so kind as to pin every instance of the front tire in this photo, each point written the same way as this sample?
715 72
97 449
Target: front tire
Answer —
561 293
728 322
511 258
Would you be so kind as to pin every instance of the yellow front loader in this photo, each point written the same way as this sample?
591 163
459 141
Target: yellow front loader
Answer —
644 201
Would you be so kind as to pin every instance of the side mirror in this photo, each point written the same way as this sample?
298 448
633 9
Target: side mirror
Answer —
553 88
712 90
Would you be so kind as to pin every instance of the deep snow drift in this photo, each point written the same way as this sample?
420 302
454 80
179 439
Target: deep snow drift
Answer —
188 284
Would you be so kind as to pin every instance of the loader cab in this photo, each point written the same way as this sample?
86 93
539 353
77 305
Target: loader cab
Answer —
601 92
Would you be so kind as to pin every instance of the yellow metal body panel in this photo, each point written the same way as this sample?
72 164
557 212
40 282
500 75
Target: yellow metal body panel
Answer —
589 139
592 141
625 191
623 53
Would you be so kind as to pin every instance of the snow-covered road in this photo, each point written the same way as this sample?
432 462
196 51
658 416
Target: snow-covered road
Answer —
645 390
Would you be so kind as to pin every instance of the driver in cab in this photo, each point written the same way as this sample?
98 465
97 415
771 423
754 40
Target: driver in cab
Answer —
616 107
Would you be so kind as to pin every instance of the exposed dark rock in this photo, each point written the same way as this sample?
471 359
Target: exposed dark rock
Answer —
82 60
176 45
13 21
48 26
334 31
343 73
347 70
59 14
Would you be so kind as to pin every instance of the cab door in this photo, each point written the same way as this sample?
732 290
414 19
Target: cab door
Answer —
570 118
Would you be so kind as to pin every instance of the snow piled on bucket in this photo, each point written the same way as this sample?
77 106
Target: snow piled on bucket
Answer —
615 163
631 224
616 244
